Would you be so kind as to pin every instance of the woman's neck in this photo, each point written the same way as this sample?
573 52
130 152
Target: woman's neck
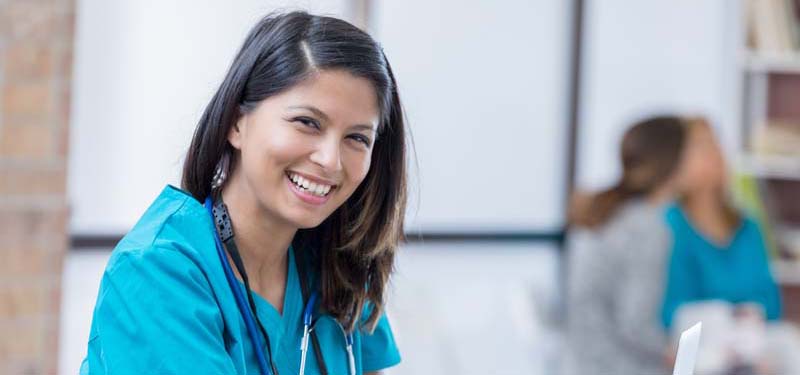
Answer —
262 241
703 201
707 214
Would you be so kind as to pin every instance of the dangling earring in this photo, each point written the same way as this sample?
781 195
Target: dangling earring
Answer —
221 172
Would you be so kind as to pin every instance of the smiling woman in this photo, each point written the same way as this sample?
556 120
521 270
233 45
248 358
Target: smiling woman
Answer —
284 234
315 137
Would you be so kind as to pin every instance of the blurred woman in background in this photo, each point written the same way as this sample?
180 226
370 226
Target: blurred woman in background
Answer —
719 270
617 257
718 253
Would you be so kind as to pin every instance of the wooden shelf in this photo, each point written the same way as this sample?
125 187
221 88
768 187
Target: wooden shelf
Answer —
786 272
770 166
763 62
770 93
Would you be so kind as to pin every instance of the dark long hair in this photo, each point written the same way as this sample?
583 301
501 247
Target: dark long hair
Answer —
353 250
650 153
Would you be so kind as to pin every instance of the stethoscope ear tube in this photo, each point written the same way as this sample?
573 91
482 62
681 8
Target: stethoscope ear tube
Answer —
244 309
309 310
351 359
250 320
307 315
304 350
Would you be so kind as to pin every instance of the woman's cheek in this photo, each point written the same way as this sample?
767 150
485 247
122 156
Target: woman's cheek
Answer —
287 147
363 171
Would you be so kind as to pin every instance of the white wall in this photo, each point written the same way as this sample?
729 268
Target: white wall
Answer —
80 282
485 88
484 84
475 308
143 72
645 57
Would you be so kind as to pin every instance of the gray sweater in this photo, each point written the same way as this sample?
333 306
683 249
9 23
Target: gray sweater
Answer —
614 294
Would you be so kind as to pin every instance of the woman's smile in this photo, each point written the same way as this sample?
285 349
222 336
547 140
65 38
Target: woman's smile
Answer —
309 189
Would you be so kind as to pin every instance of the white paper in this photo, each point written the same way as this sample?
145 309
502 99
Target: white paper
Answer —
687 351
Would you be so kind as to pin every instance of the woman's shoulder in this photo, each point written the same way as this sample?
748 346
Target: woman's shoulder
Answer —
749 222
631 219
175 227
637 216
751 229
159 278
673 213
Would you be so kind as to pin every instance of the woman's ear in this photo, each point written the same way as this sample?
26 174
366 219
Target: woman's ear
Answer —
235 132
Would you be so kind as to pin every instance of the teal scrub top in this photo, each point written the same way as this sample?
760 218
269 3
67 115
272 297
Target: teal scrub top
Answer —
165 307
700 270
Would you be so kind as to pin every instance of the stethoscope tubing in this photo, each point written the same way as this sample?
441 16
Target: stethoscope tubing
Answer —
249 320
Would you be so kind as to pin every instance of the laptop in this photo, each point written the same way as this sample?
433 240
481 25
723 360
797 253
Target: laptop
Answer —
687 351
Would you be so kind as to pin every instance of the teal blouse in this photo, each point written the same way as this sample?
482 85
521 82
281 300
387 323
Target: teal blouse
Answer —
700 270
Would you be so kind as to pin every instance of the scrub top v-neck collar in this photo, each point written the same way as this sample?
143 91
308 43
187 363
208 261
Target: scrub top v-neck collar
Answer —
280 325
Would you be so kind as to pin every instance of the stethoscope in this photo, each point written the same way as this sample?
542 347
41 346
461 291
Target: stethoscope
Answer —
221 220
307 326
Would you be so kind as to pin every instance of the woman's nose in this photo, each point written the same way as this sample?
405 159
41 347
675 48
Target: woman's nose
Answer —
328 155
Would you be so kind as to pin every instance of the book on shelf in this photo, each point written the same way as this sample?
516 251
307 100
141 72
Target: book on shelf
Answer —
777 138
773 26
774 151
791 241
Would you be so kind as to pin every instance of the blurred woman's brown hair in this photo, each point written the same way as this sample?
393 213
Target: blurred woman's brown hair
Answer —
650 153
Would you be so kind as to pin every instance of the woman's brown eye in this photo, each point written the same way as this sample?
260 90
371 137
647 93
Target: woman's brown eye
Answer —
308 122
361 138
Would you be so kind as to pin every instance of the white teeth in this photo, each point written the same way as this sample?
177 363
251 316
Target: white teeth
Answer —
310 187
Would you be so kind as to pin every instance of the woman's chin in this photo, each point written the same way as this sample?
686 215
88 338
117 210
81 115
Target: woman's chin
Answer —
306 222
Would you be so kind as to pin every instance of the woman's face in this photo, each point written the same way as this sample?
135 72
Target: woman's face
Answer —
703 163
304 151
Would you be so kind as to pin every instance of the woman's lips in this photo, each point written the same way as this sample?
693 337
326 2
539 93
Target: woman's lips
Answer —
307 196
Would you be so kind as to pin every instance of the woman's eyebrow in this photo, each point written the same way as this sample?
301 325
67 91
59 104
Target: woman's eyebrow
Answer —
368 128
313 109
325 117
